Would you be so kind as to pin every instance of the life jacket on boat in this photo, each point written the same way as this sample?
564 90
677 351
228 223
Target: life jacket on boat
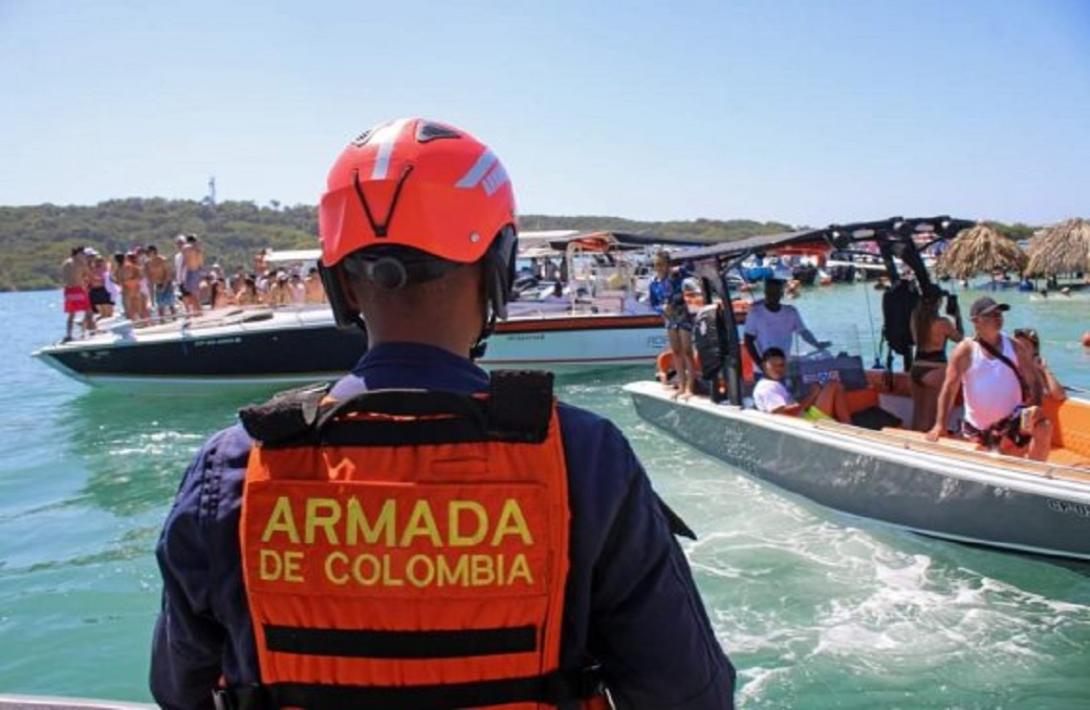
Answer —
409 549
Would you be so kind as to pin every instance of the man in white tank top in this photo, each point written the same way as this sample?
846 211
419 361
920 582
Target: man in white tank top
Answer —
992 369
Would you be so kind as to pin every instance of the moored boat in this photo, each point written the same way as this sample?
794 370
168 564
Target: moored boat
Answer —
599 323
873 467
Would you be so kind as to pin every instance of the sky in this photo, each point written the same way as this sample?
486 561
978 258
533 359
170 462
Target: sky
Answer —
803 112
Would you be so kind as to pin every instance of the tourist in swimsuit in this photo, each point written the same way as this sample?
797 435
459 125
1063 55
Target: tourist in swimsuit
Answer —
930 331
193 259
668 298
1044 384
131 297
248 295
76 275
160 274
101 300
315 293
994 371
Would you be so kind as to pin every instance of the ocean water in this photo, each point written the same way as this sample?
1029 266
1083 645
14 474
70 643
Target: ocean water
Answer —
816 610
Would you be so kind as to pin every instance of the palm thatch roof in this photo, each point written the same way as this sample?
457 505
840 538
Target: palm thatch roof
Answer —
980 249
1062 249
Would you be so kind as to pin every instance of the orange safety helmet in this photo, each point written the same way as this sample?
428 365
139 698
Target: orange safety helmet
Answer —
409 200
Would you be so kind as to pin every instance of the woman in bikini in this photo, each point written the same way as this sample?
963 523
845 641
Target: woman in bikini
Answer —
930 331
131 296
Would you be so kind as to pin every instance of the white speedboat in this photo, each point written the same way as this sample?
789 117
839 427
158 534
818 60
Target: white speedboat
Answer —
874 468
292 345
599 324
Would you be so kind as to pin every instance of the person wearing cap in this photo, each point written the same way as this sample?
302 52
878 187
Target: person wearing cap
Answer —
995 373
771 324
422 534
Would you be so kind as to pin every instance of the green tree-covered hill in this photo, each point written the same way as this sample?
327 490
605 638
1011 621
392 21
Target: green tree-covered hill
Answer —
35 240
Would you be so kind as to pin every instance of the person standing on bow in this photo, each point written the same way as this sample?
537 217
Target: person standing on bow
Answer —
76 276
995 372
667 297
771 324
420 533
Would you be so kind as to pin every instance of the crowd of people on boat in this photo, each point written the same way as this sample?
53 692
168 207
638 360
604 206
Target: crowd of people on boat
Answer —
1003 381
147 287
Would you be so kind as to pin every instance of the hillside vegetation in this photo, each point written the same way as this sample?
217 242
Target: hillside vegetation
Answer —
35 240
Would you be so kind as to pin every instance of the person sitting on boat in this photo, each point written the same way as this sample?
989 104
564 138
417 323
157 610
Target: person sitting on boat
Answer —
771 324
1044 384
821 402
930 331
667 297
995 372
471 542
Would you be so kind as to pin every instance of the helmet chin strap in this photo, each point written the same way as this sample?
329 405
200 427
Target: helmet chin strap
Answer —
499 271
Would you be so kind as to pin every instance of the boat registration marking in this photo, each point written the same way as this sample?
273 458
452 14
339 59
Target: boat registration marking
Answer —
217 341
1062 506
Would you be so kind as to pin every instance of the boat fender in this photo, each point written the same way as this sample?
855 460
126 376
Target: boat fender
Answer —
677 526
288 415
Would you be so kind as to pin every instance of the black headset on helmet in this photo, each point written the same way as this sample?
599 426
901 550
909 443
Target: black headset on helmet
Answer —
393 266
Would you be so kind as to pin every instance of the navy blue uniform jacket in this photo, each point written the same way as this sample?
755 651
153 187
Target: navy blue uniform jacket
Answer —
631 602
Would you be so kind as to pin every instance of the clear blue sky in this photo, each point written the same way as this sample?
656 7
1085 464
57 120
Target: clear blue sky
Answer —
807 112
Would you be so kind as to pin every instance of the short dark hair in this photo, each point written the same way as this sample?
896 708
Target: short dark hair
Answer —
771 353
77 250
151 247
191 238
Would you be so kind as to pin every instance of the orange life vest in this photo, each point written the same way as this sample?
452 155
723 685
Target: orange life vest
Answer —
409 549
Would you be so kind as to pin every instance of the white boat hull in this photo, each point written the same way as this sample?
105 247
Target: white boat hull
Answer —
966 496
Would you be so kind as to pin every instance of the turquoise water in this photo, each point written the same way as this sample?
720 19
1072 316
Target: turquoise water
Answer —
816 611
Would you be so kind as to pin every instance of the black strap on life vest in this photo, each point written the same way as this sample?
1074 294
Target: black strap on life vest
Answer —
553 688
517 409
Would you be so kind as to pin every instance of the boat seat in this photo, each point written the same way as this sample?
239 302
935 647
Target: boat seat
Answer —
1070 425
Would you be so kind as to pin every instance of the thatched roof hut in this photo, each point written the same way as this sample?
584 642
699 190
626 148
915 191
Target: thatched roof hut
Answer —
980 249
1062 249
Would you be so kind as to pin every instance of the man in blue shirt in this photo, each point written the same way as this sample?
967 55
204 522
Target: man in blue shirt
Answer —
630 604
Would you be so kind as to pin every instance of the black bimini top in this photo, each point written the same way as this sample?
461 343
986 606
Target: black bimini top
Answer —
835 236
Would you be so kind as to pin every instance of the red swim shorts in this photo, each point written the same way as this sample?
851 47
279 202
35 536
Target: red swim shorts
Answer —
76 299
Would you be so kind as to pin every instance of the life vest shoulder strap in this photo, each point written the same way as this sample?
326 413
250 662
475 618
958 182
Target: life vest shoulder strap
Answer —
518 408
287 415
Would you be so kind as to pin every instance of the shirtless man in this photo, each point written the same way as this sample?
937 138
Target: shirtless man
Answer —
160 274
76 276
315 293
995 372
193 260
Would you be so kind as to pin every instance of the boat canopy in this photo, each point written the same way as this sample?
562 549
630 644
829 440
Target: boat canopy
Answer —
841 237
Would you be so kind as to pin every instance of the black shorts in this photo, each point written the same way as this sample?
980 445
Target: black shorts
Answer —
100 296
